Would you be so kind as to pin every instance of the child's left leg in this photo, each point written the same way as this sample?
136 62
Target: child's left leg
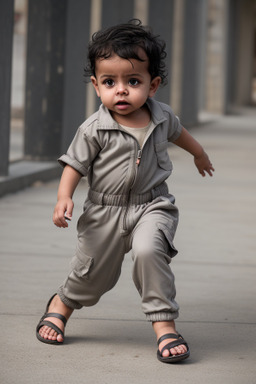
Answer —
165 327
152 252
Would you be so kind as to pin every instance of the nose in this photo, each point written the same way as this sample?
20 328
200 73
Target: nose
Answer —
121 89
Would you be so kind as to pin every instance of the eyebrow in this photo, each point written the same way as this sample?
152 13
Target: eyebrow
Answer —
129 75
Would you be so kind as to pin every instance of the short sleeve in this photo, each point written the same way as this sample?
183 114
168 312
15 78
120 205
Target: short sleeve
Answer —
175 127
81 152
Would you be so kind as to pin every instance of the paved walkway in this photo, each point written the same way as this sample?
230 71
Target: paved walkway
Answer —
112 342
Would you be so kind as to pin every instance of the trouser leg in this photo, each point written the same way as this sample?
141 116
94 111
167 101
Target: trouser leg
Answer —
152 252
96 265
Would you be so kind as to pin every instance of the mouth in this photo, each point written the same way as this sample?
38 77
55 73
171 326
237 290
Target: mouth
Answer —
122 105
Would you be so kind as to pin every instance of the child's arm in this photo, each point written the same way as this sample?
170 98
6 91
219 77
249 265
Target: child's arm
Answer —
68 183
201 159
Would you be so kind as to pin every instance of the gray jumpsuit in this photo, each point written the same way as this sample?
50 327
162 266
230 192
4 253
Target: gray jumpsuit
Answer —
128 207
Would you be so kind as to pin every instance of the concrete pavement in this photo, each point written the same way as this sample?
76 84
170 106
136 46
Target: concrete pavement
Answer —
112 342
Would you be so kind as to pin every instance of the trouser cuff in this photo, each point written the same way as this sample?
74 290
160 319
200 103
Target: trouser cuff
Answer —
162 316
68 302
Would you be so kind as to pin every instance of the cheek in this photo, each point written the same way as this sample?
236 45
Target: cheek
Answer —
106 98
141 94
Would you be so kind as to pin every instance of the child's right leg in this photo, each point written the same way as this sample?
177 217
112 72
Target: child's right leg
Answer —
96 266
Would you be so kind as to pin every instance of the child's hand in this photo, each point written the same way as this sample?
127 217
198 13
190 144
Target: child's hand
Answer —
203 164
63 208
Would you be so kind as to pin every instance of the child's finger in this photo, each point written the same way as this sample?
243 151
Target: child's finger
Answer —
211 170
60 222
59 219
69 211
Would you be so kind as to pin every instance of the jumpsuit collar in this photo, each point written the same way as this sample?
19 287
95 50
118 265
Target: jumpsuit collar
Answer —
106 121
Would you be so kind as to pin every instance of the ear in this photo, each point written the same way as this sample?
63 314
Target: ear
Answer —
154 86
95 84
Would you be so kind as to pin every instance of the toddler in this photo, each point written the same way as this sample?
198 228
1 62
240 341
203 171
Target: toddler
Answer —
122 150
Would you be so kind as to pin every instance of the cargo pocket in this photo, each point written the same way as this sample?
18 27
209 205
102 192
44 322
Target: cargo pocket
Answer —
81 264
162 155
172 251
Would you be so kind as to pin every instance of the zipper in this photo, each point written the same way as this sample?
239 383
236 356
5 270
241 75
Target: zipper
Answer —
133 178
138 157
135 169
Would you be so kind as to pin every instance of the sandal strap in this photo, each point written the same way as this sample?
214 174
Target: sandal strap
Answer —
173 344
51 325
169 336
56 315
52 314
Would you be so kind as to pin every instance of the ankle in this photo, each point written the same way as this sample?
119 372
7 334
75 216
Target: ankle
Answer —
58 306
163 327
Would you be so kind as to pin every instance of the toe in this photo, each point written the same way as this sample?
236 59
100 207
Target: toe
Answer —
52 335
60 338
43 331
179 350
166 353
46 333
173 351
183 349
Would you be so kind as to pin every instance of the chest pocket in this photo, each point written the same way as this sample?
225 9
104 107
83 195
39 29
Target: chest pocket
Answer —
162 155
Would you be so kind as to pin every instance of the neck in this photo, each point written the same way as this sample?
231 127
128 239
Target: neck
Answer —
137 119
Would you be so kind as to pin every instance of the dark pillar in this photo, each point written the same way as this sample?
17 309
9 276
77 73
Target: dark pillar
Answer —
6 39
190 102
232 54
240 45
77 38
160 18
44 78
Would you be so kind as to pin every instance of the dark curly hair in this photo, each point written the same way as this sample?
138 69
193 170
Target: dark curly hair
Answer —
125 40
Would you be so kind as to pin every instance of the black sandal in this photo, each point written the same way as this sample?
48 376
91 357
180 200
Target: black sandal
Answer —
43 322
172 344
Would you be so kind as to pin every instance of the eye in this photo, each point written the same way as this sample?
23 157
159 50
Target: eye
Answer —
109 82
134 82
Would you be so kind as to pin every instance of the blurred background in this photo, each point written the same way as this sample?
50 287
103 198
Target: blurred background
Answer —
211 46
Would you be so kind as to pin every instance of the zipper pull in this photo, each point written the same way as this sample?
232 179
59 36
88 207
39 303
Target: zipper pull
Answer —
139 156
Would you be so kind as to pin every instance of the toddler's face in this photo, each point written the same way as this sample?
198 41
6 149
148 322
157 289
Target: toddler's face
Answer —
124 85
